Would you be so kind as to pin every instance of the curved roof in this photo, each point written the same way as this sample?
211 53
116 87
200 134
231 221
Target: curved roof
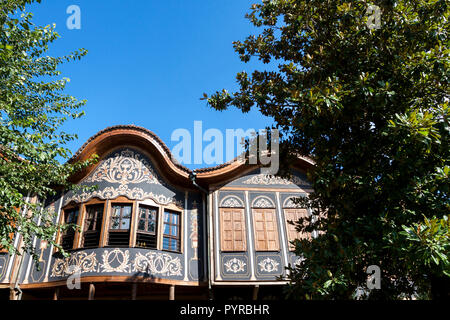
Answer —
147 141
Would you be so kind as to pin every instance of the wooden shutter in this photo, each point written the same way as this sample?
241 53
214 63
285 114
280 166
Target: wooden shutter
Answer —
294 215
232 227
266 230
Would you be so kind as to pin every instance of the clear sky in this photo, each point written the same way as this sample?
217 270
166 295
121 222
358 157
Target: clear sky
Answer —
149 63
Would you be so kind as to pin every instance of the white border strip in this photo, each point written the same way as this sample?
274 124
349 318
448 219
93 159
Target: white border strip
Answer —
282 231
251 252
54 237
217 235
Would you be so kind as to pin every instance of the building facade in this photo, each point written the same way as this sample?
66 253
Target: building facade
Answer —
150 228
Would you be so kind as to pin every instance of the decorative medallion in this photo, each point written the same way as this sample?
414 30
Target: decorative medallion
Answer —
298 261
124 167
263 202
123 190
268 180
78 262
157 263
268 265
234 265
231 202
115 257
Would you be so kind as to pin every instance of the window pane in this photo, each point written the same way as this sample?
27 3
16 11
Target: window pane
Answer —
126 217
98 219
125 223
90 220
114 223
174 231
166 229
166 216
166 243
174 218
142 213
173 245
151 226
141 225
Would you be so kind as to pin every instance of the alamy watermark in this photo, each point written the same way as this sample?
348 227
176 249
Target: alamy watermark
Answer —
374 277
73 281
74 20
191 149
374 17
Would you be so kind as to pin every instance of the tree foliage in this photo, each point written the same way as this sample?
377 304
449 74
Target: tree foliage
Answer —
370 106
33 107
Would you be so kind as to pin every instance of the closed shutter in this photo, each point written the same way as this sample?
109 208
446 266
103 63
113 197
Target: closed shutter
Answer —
232 229
266 230
294 215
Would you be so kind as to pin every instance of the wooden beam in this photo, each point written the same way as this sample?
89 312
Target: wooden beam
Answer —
255 292
91 291
56 294
172 292
133 291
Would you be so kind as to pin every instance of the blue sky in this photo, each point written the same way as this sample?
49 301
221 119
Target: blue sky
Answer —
149 63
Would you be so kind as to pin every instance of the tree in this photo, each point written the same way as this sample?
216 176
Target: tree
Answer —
369 103
33 107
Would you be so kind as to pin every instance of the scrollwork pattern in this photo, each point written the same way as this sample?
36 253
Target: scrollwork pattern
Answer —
263 203
77 262
235 265
265 179
157 263
121 258
123 190
231 202
126 166
268 265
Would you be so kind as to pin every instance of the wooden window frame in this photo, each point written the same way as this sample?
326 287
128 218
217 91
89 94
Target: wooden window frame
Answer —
180 229
63 218
86 205
299 235
61 221
243 231
266 237
122 206
121 200
138 218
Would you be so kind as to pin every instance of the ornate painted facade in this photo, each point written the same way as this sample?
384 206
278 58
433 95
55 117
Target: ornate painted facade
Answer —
150 225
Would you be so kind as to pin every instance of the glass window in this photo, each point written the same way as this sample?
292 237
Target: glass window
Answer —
70 217
92 225
147 219
120 217
171 236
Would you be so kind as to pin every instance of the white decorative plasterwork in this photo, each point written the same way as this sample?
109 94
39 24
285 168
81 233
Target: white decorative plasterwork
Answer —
157 263
298 261
78 262
235 265
268 265
126 166
194 233
266 179
231 202
123 190
289 203
116 256
263 202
